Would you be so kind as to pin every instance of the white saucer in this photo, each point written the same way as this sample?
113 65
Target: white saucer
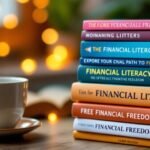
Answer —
23 126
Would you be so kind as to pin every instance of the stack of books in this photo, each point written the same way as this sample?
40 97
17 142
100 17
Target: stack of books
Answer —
112 97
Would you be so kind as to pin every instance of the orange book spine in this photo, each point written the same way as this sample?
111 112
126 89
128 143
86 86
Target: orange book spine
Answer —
111 113
110 138
111 94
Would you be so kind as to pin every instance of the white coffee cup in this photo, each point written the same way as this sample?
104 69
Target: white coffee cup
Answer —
13 96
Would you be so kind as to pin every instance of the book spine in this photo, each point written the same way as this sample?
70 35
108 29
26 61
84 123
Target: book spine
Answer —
112 128
116 35
114 75
115 62
111 113
105 49
111 94
116 25
110 138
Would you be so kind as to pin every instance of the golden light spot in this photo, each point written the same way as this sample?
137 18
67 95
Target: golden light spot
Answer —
22 1
54 62
50 36
28 66
40 15
4 49
10 21
40 3
61 51
57 60
52 117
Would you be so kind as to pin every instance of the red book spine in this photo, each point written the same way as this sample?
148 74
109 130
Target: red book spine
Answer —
111 113
116 25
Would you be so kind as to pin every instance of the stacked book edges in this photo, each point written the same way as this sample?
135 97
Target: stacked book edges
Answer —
112 95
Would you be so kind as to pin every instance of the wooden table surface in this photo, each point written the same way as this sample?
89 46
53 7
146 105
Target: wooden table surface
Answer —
57 137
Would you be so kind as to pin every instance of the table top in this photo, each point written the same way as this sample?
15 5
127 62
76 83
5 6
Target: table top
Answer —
57 136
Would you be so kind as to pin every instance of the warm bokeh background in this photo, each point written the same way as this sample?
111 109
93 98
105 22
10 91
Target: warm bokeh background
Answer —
40 39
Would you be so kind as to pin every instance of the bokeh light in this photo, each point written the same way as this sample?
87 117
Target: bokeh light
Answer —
10 21
28 66
57 60
4 49
40 15
50 36
54 62
52 117
23 1
61 51
40 3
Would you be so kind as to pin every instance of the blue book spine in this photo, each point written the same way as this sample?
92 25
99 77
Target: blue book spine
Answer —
114 75
115 49
115 62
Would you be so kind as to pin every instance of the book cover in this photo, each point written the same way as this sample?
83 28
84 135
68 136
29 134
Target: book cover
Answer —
111 94
124 62
113 49
111 113
115 35
114 75
110 138
112 128
116 25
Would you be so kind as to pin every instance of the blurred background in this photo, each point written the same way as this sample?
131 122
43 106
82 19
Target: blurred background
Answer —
40 39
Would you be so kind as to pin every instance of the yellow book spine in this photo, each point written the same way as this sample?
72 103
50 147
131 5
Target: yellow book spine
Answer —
110 138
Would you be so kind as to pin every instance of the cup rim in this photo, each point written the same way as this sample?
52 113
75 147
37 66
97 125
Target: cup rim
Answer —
12 80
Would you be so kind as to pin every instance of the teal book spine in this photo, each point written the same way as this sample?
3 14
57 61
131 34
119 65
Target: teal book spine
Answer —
114 75
99 49
128 62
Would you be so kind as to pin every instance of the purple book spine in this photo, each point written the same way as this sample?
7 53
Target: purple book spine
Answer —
116 35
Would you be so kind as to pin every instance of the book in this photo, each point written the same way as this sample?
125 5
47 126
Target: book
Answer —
50 99
112 128
111 49
110 138
111 113
116 25
111 94
124 62
114 75
115 35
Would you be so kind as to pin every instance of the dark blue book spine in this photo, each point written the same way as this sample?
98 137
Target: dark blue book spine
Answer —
114 75
99 49
115 62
